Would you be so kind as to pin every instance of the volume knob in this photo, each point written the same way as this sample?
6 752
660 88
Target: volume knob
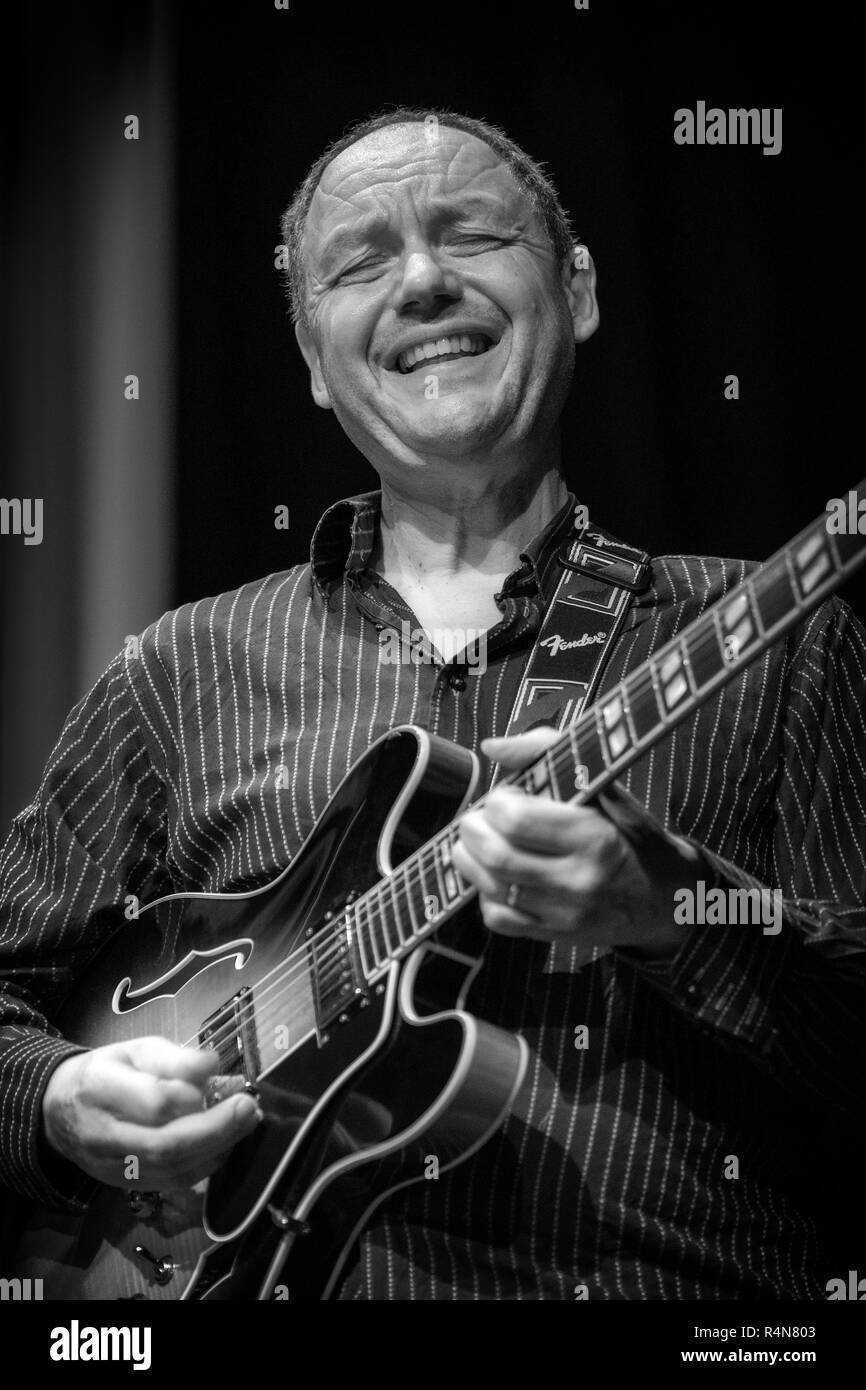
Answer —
162 1266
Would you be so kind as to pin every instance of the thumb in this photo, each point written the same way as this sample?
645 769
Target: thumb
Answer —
519 750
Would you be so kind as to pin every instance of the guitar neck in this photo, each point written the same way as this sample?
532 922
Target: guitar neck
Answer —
389 920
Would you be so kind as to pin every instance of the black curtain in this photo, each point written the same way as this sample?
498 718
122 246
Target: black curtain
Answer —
712 260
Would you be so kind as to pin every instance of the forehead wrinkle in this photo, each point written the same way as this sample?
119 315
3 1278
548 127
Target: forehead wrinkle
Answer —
400 162
386 152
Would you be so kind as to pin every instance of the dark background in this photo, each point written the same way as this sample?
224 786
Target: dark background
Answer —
711 260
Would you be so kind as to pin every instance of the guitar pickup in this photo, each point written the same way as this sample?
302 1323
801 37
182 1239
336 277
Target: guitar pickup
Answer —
231 1031
334 971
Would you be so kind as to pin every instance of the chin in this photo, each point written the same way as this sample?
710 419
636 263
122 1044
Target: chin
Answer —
455 441
450 427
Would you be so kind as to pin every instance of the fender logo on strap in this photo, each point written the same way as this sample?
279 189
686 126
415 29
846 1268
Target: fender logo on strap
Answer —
173 981
562 644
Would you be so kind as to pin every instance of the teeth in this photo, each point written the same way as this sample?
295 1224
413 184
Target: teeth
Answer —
438 347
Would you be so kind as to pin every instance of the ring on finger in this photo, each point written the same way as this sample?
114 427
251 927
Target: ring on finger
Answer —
512 896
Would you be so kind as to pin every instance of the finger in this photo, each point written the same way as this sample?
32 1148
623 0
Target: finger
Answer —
190 1141
520 749
506 921
477 874
502 861
168 1059
136 1096
537 823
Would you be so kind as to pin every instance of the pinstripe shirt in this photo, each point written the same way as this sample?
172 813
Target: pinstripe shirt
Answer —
654 1162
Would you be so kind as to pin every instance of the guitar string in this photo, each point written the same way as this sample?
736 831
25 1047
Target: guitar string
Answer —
639 684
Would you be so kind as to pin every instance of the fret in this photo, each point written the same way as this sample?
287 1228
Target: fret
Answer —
773 593
574 770
589 749
402 935
447 873
439 890
537 778
706 654
429 886
670 680
811 560
601 736
737 624
374 919
364 933
643 707
453 833
385 924
553 783
416 919
614 724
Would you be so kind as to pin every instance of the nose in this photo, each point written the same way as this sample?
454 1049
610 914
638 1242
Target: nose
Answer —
425 284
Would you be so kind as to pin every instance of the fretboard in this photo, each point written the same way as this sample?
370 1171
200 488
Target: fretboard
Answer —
390 919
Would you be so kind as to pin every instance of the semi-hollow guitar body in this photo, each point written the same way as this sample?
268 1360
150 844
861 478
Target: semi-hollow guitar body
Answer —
366 1067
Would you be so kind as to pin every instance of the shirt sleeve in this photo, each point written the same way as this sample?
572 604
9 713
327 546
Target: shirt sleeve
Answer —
789 984
94 833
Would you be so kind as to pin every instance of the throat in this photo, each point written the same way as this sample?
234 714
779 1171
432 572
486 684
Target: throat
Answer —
450 617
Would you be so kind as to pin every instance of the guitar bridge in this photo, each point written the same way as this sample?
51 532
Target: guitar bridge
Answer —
231 1032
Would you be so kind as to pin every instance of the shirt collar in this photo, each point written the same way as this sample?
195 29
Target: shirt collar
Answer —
343 541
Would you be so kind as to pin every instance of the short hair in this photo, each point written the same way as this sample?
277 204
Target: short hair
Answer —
528 173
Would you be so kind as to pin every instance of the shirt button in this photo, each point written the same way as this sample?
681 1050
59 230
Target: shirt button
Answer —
458 682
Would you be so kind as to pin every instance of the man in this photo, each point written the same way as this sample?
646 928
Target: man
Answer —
659 1160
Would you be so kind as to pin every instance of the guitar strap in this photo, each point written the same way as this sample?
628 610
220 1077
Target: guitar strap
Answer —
600 576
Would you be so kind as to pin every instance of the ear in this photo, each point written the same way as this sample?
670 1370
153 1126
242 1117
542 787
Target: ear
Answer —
578 276
311 357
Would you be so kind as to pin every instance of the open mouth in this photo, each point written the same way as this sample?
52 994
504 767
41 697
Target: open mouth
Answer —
445 349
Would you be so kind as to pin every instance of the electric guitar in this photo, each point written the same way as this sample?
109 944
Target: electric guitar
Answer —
329 995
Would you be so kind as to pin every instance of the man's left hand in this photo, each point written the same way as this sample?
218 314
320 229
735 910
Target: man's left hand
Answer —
603 874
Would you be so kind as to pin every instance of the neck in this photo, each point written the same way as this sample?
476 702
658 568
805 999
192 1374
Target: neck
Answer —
437 535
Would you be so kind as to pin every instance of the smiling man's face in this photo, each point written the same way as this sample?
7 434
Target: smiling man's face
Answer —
440 324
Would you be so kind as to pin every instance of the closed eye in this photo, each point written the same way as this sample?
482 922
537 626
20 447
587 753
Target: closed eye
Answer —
480 239
363 270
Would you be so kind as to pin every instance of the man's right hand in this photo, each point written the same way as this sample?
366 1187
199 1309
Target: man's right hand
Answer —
143 1099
